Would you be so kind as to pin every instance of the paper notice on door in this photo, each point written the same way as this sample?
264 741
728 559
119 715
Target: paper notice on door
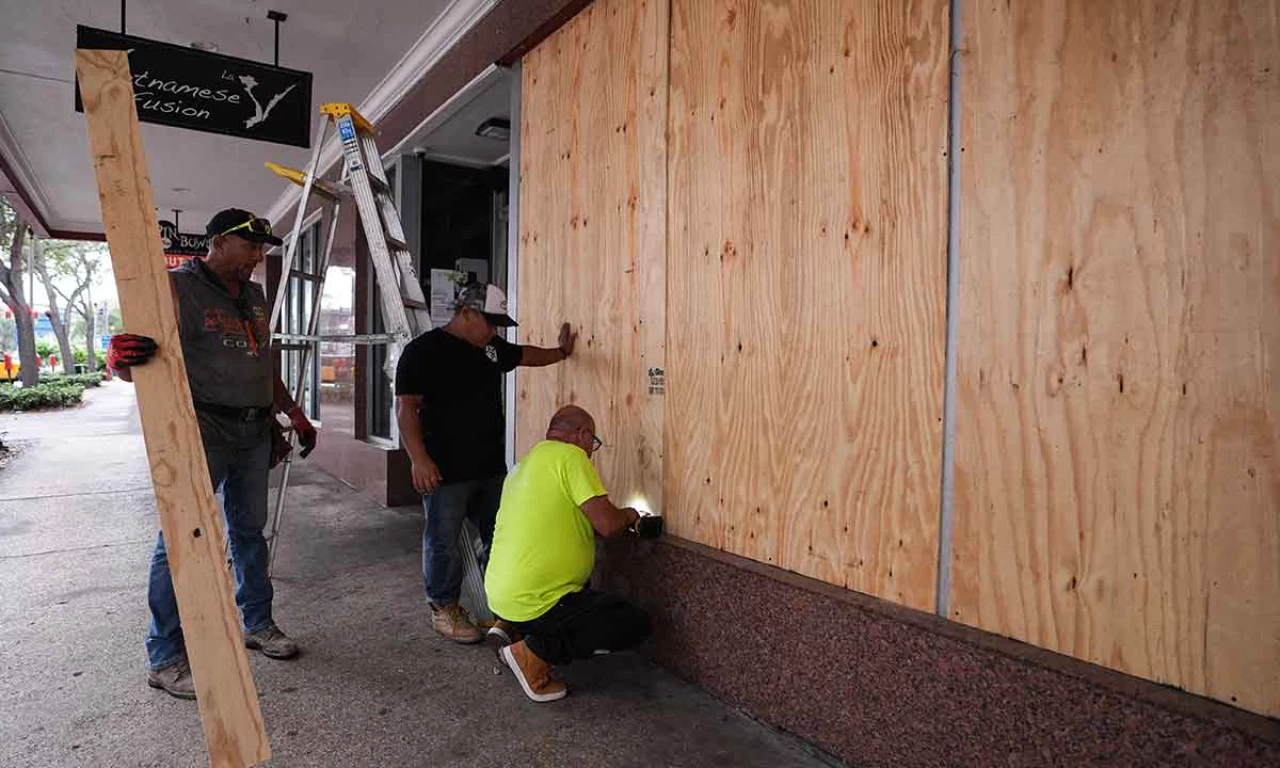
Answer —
444 290
475 269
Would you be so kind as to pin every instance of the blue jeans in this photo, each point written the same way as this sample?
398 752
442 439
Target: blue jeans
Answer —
445 511
241 476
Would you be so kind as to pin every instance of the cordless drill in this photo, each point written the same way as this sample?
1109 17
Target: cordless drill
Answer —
647 527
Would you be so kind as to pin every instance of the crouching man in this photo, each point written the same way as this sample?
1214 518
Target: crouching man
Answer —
543 554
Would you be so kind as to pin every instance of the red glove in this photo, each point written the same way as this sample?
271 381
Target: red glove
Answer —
128 349
306 432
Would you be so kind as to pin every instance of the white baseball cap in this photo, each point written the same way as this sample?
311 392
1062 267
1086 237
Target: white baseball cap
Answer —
488 300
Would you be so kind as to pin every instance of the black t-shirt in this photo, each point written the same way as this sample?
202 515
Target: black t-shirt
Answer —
461 412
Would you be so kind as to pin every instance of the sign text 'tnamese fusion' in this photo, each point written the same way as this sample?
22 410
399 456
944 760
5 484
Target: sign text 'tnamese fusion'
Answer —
188 88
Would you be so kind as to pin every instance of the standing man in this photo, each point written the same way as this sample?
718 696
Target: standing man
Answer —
223 325
449 408
543 553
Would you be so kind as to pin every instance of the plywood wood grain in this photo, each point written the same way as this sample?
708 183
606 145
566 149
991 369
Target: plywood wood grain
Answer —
1117 480
593 233
189 514
806 286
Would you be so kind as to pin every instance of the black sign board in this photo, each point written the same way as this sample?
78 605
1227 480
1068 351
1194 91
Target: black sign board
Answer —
202 91
182 243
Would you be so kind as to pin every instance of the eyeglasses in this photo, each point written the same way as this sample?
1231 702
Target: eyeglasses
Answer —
596 442
255 225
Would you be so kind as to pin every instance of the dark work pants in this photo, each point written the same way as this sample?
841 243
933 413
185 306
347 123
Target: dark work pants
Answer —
583 624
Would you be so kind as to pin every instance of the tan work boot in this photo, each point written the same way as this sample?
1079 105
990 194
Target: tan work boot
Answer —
174 680
533 673
500 635
452 622
272 642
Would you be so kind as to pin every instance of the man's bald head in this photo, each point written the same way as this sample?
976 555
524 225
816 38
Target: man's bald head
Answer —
573 425
570 418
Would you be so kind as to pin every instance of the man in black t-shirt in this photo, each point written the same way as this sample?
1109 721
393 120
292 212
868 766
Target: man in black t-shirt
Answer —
449 408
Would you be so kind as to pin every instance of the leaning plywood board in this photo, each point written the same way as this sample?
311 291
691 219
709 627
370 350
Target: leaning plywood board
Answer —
189 514
593 235
1117 468
807 281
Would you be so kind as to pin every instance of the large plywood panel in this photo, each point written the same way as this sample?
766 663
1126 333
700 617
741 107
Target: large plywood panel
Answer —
1117 481
189 514
806 285
593 233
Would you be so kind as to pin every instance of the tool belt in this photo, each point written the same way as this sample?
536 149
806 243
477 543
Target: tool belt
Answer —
250 414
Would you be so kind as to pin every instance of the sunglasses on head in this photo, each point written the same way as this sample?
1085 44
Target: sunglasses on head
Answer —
256 226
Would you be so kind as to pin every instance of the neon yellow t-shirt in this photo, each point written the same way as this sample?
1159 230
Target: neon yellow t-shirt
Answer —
543 545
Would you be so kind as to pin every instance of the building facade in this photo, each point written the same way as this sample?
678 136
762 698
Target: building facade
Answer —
942 334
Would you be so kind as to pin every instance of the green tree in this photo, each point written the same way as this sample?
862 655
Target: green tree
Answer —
13 238
8 333
57 316
69 269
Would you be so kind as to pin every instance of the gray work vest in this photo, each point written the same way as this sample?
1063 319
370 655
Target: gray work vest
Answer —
226 343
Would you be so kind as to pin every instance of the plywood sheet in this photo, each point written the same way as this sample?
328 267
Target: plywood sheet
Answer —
806 286
1117 480
593 233
189 514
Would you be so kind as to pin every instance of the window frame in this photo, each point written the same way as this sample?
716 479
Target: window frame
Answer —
295 317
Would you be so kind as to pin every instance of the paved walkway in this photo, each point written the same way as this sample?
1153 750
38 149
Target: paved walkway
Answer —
374 686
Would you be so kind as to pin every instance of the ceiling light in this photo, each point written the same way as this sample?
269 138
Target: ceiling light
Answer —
496 128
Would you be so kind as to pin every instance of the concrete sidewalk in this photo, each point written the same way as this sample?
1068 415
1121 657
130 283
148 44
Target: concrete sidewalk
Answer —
374 686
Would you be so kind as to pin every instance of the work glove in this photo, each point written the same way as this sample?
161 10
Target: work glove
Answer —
306 432
126 350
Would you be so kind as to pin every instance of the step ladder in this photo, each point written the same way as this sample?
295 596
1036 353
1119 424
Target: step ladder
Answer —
405 310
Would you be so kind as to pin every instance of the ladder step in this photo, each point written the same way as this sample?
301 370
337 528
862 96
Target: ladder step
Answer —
398 245
380 186
280 339
334 190
330 190
415 304
339 187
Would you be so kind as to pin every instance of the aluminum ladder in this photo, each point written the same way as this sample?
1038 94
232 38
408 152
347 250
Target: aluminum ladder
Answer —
405 310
